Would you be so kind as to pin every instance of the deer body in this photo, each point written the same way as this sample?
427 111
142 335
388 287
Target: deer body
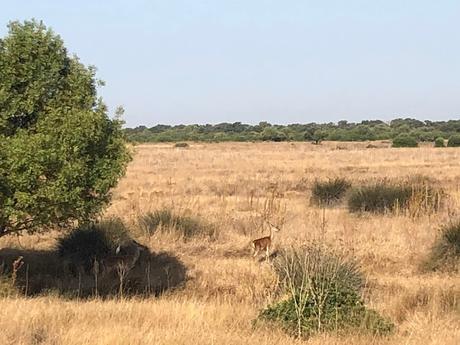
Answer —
126 257
264 243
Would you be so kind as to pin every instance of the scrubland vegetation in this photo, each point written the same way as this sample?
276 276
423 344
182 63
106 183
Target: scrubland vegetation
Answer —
405 132
340 274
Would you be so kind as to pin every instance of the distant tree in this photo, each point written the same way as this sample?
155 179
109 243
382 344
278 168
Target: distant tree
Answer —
273 134
439 142
319 135
454 141
60 153
404 140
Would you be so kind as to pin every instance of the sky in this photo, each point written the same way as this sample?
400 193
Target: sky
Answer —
290 61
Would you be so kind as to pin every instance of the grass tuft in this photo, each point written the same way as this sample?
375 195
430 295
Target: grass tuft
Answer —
330 191
416 197
445 253
166 220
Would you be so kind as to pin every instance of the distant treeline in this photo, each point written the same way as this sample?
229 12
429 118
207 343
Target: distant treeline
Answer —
264 131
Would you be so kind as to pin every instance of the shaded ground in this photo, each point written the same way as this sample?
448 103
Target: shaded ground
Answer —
44 271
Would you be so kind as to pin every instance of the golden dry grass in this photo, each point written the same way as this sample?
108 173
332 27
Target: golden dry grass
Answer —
227 184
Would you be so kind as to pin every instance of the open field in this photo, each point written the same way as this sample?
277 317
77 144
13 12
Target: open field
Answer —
227 184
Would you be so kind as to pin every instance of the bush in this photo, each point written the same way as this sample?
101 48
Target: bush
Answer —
92 241
439 142
414 196
445 253
165 220
324 294
454 141
182 145
329 192
404 140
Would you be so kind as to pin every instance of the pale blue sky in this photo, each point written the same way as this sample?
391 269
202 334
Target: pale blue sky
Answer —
174 61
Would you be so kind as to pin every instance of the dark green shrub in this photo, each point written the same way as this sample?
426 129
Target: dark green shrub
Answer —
324 294
165 220
439 142
92 241
454 141
379 197
329 192
445 253
181 145
404 140
383 196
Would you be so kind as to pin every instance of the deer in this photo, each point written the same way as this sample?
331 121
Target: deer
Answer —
126 257
265 243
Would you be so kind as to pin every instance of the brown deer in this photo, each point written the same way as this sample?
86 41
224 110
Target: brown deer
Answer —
265 243
126 257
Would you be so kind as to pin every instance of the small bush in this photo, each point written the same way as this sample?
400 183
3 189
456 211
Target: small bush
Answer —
92 241
404 140
445 253
182 145
439 142
454 141
324 294
165 220
329 192
383 196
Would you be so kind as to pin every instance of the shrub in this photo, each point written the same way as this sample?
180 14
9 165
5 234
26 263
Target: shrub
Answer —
92 241
324 294
383 196
329 192
454 141
404 140
181 145
445 253
439 142
165 220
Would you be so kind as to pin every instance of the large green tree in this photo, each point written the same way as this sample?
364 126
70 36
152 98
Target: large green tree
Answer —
60 153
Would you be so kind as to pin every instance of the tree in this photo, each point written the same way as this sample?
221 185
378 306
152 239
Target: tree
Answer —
404 140
454 141
319 135
272 134
439 142
60 153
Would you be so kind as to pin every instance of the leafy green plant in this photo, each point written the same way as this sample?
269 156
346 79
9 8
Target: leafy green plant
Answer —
167 221
439 142
323 292
330 191
60 153
404 140
445 253
454 141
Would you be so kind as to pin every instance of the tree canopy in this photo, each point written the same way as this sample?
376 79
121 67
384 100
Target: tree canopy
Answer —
60 153
264 131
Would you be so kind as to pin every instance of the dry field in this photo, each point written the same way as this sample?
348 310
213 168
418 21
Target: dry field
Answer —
227 184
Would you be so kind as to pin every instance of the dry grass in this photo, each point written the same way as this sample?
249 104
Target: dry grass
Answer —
228 185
